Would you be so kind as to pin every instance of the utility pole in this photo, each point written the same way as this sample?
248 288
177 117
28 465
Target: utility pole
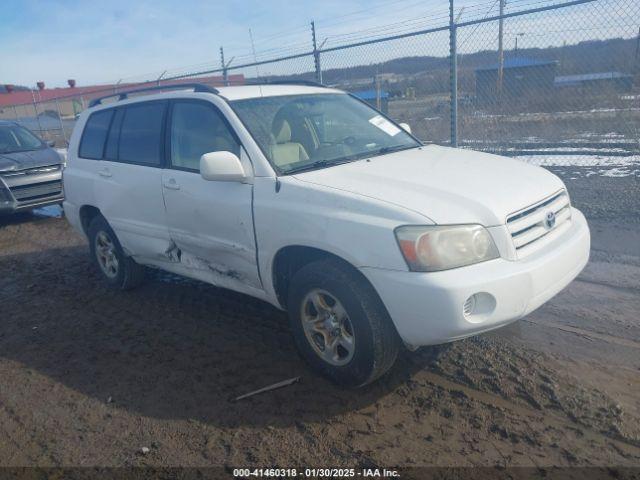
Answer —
225 74
518 35
500 47
316 53
453 73
255 58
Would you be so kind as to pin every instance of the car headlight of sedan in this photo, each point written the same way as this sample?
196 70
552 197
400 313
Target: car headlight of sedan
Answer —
5 196
441 247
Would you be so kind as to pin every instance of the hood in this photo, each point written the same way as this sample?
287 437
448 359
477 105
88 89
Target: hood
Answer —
447 185
31 159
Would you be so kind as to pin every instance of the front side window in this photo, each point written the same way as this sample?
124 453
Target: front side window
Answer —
141 133
304 132
95 134
198 128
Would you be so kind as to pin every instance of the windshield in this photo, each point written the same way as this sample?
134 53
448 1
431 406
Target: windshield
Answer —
14 138
304 132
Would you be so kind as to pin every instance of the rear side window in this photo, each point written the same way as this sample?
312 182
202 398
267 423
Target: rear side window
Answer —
141 134
95 135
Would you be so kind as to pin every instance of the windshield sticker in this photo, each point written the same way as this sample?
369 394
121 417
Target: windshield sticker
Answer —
385 125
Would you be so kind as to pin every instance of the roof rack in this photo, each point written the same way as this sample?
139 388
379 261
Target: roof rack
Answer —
266 81
197 87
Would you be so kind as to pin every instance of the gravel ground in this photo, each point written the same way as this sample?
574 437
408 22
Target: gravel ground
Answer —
89 376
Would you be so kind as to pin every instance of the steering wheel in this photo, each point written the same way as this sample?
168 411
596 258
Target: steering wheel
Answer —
349 141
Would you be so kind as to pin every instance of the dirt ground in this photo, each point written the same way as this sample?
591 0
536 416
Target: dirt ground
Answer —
89 376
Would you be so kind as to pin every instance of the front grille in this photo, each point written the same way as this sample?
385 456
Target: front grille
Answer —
31 171
532 223
37 191
34 185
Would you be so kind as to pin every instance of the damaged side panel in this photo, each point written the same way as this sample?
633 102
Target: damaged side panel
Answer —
188 265
211 230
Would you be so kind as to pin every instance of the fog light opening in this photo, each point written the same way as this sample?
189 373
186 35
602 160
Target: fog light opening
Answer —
469 306
478 306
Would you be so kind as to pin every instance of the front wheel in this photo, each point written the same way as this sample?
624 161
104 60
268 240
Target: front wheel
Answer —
340 325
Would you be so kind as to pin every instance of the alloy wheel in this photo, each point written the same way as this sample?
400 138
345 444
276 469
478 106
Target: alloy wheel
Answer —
106 254
327 327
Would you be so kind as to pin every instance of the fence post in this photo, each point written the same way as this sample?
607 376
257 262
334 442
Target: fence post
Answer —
35 109
64 134
500 49
225 73
159 79
453 73
316 53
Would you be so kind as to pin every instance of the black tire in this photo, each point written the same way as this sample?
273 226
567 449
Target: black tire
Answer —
375 338
128 274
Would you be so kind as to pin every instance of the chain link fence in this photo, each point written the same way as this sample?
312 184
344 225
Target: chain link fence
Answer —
565 84
538 79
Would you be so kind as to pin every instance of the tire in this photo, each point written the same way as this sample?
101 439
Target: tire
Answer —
359 339
124 273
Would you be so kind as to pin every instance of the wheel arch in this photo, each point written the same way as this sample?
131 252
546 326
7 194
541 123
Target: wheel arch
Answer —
289 259
87 214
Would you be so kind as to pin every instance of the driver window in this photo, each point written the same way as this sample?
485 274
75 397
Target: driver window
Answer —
198 128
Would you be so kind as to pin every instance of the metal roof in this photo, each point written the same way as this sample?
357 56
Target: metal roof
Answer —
371 94
22 97
517 62
588 77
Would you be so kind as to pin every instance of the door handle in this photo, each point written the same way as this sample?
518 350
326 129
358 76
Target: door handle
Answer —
105 173
171 184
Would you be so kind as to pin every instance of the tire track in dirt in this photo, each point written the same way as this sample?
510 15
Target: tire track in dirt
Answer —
631 448
588 334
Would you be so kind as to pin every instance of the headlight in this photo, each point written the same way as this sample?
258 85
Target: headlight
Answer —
5 196
433 248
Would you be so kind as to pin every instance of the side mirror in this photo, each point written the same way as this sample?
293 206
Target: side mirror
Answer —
221 167
405 127
51 143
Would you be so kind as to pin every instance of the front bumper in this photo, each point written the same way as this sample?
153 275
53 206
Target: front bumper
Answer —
9 207
31 188
427 308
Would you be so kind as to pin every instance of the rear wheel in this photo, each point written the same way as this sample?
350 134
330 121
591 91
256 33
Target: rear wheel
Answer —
340 325
117 269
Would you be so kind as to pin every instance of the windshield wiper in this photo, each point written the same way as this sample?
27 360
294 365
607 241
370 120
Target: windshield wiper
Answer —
318 164
395 148
349 158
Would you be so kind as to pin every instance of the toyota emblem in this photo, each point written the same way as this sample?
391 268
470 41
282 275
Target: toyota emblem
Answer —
550 220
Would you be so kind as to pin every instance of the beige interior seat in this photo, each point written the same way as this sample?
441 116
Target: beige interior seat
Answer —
283 150
190 143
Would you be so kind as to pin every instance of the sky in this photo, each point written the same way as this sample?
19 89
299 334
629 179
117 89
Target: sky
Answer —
96 42
103 41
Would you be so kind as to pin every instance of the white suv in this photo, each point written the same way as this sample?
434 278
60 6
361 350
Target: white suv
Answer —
311 200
